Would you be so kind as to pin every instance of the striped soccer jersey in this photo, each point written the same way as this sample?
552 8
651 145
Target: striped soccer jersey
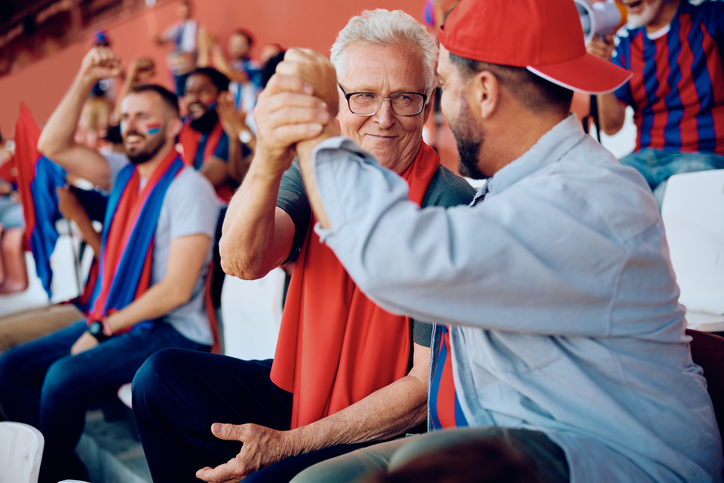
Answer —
677 90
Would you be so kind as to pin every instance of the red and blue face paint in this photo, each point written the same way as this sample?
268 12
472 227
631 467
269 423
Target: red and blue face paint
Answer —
153 128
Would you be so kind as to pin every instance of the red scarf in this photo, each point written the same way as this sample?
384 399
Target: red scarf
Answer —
124 220
190 138
336 346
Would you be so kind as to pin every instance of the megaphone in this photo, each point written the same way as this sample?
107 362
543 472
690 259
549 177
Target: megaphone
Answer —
600 18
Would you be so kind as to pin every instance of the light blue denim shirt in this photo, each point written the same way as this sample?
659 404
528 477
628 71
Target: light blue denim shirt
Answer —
562 295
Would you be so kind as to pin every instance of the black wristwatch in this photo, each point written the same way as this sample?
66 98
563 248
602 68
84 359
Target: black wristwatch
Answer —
96 330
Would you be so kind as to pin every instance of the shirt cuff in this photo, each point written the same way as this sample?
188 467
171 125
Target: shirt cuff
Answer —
328 159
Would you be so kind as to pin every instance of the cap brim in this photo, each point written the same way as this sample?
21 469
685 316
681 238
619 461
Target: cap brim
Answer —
587 74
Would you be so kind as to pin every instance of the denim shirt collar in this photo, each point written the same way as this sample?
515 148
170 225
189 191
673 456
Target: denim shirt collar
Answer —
549 149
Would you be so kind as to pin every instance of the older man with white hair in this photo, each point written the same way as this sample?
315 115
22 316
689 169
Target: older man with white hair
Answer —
346 373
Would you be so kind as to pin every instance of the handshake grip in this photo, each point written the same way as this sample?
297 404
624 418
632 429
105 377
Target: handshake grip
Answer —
600 18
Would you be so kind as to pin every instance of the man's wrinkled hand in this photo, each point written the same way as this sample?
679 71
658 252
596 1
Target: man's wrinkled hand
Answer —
286 113
262 447
601 47
100 63
317 71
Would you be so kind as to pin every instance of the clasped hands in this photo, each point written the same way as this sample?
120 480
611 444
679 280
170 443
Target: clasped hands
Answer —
297 109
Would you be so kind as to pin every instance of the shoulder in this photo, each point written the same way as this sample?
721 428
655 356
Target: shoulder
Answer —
191 204
189 181
189 185
292 194
448 189
116 162
588 186
705 11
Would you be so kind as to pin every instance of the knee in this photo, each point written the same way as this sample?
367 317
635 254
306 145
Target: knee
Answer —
156 374
10 362
58 380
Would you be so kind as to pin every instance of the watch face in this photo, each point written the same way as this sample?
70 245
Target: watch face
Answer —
95 328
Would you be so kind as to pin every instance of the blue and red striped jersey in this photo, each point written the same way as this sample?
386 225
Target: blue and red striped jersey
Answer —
677 88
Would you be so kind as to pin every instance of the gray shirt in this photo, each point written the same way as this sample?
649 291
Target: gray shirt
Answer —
190 207
562 298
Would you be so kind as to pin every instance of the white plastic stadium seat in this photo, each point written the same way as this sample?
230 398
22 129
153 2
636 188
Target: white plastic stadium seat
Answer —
21 449
693 214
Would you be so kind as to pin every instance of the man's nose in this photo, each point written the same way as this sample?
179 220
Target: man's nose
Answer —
130 125
191 97
385 117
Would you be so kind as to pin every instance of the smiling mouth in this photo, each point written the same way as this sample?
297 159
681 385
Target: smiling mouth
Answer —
134 138
197 110
381 136
634 4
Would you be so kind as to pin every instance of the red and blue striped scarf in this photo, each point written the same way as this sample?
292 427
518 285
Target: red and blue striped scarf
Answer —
445 410
190 140
128 235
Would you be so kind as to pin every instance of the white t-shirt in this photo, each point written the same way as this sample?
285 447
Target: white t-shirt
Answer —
190 207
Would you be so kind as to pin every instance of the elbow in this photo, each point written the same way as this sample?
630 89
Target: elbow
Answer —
243 269
48 146
45 146
180 297
238 263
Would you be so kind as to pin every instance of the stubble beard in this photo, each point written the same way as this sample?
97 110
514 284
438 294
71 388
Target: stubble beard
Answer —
152 149
469 141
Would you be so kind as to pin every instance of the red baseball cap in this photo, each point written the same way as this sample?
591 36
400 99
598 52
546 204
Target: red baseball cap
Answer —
543 36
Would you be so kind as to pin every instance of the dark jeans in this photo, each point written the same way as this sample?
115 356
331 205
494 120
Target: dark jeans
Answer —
41 384
178 395
657 166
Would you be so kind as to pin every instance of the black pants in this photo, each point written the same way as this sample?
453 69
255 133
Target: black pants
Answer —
178 395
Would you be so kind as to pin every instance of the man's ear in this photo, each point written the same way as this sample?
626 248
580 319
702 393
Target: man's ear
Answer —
174 127
428 107
485 89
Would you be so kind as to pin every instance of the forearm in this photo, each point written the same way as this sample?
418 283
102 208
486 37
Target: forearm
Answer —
57 139
90 235
239 164
222 65
304 152
249 232
157 301
383 414
128 84
611 113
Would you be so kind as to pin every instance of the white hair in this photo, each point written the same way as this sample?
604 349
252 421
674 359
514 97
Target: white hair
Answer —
382 27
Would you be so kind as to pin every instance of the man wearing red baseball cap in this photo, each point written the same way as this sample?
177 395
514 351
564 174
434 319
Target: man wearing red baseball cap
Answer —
563 340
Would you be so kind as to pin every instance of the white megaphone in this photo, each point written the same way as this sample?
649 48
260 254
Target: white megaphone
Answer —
600 17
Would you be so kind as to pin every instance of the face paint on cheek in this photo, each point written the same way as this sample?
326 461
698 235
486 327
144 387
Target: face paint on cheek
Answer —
154 128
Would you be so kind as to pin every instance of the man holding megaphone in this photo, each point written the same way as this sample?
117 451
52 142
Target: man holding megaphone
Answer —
675 50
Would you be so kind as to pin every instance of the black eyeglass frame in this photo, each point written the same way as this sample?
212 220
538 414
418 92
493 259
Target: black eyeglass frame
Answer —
347 96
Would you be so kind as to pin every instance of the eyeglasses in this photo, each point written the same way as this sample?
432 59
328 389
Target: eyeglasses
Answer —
368 103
